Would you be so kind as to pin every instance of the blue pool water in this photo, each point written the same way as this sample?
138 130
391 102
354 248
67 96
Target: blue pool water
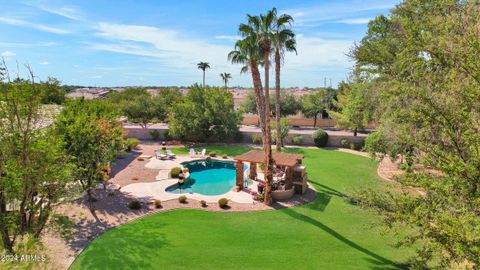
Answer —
207 177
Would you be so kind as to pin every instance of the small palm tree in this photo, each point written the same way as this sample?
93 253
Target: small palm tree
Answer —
203 66
225 77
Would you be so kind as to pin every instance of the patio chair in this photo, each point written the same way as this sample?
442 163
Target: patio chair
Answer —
160 155
170 154
204 152
192 152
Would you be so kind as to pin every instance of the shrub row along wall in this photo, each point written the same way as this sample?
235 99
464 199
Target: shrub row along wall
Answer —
300 122
333 139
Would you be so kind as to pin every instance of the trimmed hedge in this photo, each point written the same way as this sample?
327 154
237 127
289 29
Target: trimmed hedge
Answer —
134 205
223 202
131 143
320 138
175 172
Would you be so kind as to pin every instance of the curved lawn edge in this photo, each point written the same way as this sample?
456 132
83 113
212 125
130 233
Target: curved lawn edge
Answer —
136 219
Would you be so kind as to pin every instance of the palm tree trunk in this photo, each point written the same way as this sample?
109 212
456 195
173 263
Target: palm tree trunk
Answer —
259 98
204 79
268 139
277 100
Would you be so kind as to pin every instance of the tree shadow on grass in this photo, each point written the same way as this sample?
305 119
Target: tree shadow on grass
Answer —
378 261
109 212
133 247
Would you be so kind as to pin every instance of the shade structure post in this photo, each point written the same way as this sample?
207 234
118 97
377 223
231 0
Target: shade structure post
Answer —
239 174
288 178
253 171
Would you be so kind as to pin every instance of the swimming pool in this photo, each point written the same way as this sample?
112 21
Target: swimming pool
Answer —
207 177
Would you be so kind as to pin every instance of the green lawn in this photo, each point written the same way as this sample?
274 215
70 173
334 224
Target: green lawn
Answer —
329 233
220 150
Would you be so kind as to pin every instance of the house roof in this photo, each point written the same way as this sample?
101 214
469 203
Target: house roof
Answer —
281 159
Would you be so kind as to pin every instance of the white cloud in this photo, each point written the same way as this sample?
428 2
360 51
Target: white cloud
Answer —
176 52
67 12
44 63
356 21
228 37
166 45
8 54
28 45
336 11
41 27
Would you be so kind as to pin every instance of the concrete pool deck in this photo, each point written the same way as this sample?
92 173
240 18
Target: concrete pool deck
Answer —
148 191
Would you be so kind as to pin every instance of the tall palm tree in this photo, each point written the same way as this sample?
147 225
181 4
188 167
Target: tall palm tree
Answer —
260 28
283 40
249 54
225 77
203 66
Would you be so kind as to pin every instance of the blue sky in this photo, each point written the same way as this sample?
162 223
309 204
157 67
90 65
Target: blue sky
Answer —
121 43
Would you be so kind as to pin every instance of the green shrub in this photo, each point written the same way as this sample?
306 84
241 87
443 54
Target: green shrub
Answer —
356 146
320 138
297 140
134 205
157 203
175 172
344 142
262 166
203 203
155 134
131 143
182 199
212 153
260 197
167 136
256 138
223 202
375 143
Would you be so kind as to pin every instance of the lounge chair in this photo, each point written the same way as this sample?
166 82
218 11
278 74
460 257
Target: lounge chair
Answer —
160 156
204 152
170 154
192 152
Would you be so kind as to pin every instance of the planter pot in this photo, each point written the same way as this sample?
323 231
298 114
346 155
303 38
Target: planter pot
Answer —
282 194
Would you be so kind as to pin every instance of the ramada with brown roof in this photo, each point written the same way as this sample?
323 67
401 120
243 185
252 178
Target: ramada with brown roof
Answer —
280 158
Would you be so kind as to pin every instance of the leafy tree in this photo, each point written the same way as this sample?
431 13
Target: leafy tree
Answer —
52 92
288 104
92 138
355 104
205 114
317 103
145 110
34 170
203 66
170 96
283 39
284 129
225 78
127 95
140 106
423 60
